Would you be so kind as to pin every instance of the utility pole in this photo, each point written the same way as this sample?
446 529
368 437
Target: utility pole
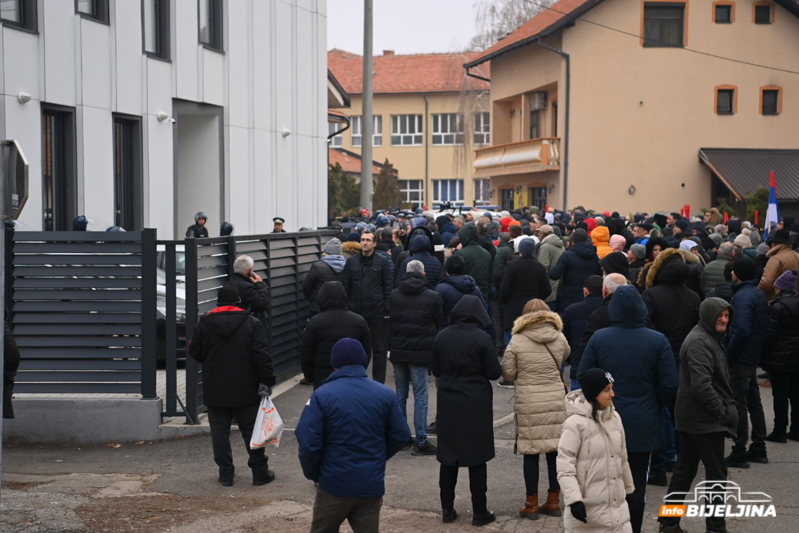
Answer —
366 114
3 215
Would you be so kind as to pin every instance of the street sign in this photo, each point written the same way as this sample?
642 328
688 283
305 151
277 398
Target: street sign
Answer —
15 180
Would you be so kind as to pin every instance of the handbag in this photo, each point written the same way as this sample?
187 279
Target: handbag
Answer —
565 387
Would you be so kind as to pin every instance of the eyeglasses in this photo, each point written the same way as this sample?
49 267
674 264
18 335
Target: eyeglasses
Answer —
367 240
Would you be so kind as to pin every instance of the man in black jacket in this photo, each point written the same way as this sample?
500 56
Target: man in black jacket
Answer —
416 316
198 230
367 280
251 289
333 323
329 268
575 319
524 279
234 351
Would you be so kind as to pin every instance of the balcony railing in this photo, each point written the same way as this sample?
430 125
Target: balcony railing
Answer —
535 155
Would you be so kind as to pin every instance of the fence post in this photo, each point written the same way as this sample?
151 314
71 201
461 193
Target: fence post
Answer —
231 254
148 314
192 366
8 257
171 329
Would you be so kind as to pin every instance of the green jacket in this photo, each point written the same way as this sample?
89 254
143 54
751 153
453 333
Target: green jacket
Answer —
478 260
714 273
549 251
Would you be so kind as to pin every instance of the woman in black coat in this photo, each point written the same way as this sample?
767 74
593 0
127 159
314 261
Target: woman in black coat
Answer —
464 360
524 279
333 323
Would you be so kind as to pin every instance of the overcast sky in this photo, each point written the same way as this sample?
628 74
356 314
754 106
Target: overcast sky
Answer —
405 26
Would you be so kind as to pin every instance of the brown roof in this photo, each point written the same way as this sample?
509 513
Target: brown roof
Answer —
397 74
743 171
548 21
350 162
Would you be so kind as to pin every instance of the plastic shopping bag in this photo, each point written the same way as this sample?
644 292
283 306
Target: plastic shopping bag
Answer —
268 426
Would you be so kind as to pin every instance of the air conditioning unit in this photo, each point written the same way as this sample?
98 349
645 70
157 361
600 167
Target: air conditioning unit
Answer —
539 101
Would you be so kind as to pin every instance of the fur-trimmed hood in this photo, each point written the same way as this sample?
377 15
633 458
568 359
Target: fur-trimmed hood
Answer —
672 273
350 248
540 326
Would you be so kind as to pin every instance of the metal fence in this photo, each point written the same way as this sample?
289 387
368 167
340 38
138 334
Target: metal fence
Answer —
85 306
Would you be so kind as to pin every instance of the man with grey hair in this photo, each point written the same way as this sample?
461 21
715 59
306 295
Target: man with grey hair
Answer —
416 316
713 274
459 222
251 288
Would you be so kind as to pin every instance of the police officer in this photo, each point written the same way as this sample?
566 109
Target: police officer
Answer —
226 229
278 225
198 230
80 223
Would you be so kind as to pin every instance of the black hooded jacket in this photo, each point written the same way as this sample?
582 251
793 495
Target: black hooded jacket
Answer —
420 251
416 316
333 323
781 347
574 266
673 307
234 351
524 279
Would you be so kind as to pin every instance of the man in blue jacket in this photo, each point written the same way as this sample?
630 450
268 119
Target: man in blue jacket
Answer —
347 432
744 344
642 363
421 250
575 319
574 265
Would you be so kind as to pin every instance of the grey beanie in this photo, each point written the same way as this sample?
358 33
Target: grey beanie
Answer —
333 247
762 248
639 250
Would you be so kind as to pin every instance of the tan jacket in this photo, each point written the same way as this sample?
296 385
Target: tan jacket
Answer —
782 258
540 411
593 468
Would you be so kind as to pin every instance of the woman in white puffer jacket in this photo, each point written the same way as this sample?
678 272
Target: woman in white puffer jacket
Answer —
593 471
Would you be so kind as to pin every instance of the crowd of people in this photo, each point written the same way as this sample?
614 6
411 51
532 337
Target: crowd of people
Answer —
664 321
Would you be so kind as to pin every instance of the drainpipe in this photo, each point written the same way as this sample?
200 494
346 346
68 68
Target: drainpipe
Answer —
566 128
429 203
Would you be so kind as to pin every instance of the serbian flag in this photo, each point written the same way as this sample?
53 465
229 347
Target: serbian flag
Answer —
773 213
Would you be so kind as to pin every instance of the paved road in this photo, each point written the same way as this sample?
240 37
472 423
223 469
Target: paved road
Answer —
171 486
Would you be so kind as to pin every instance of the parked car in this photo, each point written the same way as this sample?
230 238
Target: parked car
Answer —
180 317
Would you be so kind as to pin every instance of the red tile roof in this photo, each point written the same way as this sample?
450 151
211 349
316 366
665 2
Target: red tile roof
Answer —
549 20
397 74
350 162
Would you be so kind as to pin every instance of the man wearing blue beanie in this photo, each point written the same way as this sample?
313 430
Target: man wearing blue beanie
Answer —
350 427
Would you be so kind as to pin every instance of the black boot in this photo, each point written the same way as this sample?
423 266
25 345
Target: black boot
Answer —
481 519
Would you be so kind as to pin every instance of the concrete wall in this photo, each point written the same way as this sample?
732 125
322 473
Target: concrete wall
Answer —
272 76
640 115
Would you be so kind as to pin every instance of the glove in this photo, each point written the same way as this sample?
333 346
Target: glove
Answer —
578 512
264 390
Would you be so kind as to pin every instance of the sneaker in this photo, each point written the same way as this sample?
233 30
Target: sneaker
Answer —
659 480
263 479
483 518
757 456
737 461
505 384
226 481
432 428
304 381
427 448
449 516
776 437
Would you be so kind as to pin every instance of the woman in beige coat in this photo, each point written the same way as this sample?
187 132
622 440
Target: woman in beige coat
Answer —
592 460
533 360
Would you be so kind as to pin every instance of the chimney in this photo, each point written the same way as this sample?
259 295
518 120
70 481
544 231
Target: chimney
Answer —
388 53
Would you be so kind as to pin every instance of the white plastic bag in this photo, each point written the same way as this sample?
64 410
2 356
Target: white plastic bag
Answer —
268 426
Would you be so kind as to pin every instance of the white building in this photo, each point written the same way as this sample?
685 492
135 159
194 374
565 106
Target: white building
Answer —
143 112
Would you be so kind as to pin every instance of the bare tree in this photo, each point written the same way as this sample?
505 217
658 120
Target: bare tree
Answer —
497 18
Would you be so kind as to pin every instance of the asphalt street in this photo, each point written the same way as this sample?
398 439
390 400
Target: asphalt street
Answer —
171 486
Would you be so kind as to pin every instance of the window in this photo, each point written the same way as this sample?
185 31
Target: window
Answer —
333 127
413 191
723 12
482 128
448 128
482 191
210 13
406 130
771 100
448 191
538 197
377 131
763 13
663 24
155 15
19 14
726 100
93 10
59 203
554 118
507 199
127 173
535 124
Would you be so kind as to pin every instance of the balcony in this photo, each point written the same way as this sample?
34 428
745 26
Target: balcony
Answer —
535 155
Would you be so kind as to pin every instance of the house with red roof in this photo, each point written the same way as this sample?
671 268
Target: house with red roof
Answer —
642 105
429 116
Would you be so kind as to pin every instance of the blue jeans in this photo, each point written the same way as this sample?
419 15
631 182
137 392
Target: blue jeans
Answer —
404 375
575 385
668 454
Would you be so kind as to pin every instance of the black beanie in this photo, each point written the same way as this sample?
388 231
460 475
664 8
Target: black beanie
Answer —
228 294
615 263
745 269
455 265
593 382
